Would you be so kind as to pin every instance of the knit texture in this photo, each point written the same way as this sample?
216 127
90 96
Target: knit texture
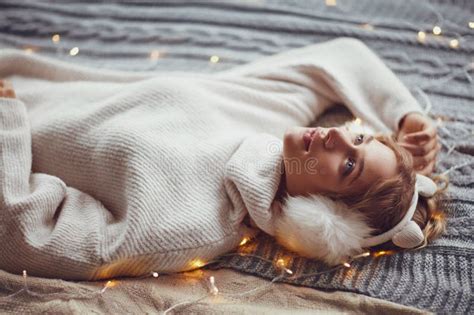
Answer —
183 35
155 173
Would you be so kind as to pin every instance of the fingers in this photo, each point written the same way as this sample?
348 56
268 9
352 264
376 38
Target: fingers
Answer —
421 136
426 161
421 141
423 160
420 150
428 169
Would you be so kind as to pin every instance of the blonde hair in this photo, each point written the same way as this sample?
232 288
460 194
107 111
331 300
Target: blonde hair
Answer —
385 203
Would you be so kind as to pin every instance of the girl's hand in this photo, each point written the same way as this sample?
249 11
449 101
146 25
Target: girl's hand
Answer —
6 89
418 134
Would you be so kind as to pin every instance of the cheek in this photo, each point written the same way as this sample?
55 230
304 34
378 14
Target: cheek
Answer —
327 172
306 174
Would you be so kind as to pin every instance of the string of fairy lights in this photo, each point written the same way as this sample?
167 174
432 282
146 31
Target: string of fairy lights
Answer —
281 263
437 34
449 38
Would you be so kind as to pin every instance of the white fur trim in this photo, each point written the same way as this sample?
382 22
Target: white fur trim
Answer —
318 227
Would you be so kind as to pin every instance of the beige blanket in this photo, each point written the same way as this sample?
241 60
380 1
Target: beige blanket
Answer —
154 295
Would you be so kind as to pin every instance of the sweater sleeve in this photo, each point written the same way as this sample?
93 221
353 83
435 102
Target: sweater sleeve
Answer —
344 71
39 213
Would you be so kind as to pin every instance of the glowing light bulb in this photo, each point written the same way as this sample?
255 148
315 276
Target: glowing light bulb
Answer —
421 36
471 24
24 279
56 38
382 253
74 51
454 43
248 247
244 241
155 274
214 290
281 263
155 55
346 264
109 284
331 3
365 254
367 26
437 30
197 263
214 59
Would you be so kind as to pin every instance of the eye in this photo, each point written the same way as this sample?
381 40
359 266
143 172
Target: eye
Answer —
349 166
359 139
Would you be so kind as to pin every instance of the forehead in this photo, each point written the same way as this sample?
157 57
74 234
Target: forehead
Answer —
380 163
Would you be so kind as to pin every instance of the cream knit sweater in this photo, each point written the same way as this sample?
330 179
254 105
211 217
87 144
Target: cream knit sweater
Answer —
106 174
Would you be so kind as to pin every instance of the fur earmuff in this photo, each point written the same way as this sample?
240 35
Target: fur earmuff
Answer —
319 227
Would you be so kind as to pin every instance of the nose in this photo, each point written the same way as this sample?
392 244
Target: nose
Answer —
337 139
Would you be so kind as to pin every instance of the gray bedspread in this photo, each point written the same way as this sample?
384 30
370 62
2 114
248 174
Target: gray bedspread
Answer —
183 35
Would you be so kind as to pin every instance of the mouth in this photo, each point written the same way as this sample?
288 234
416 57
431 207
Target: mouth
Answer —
308 138
310 135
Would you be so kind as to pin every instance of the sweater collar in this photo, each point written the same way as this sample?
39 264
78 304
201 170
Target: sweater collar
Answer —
253 175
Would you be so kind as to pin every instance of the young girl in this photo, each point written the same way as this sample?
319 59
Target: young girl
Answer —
375 180
107 174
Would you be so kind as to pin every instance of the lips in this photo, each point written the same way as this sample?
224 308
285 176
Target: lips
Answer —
310 135
308 138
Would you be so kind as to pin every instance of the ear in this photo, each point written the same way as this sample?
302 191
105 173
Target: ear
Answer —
426 186
319 227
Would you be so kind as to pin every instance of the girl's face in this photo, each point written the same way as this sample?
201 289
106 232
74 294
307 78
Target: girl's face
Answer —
334 160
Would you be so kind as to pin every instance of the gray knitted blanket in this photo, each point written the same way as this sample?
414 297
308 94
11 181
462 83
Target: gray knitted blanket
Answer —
209 36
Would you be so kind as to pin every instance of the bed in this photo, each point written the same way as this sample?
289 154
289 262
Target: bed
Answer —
429 44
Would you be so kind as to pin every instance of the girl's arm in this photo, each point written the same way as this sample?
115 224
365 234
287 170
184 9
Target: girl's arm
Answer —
344 71
46 228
